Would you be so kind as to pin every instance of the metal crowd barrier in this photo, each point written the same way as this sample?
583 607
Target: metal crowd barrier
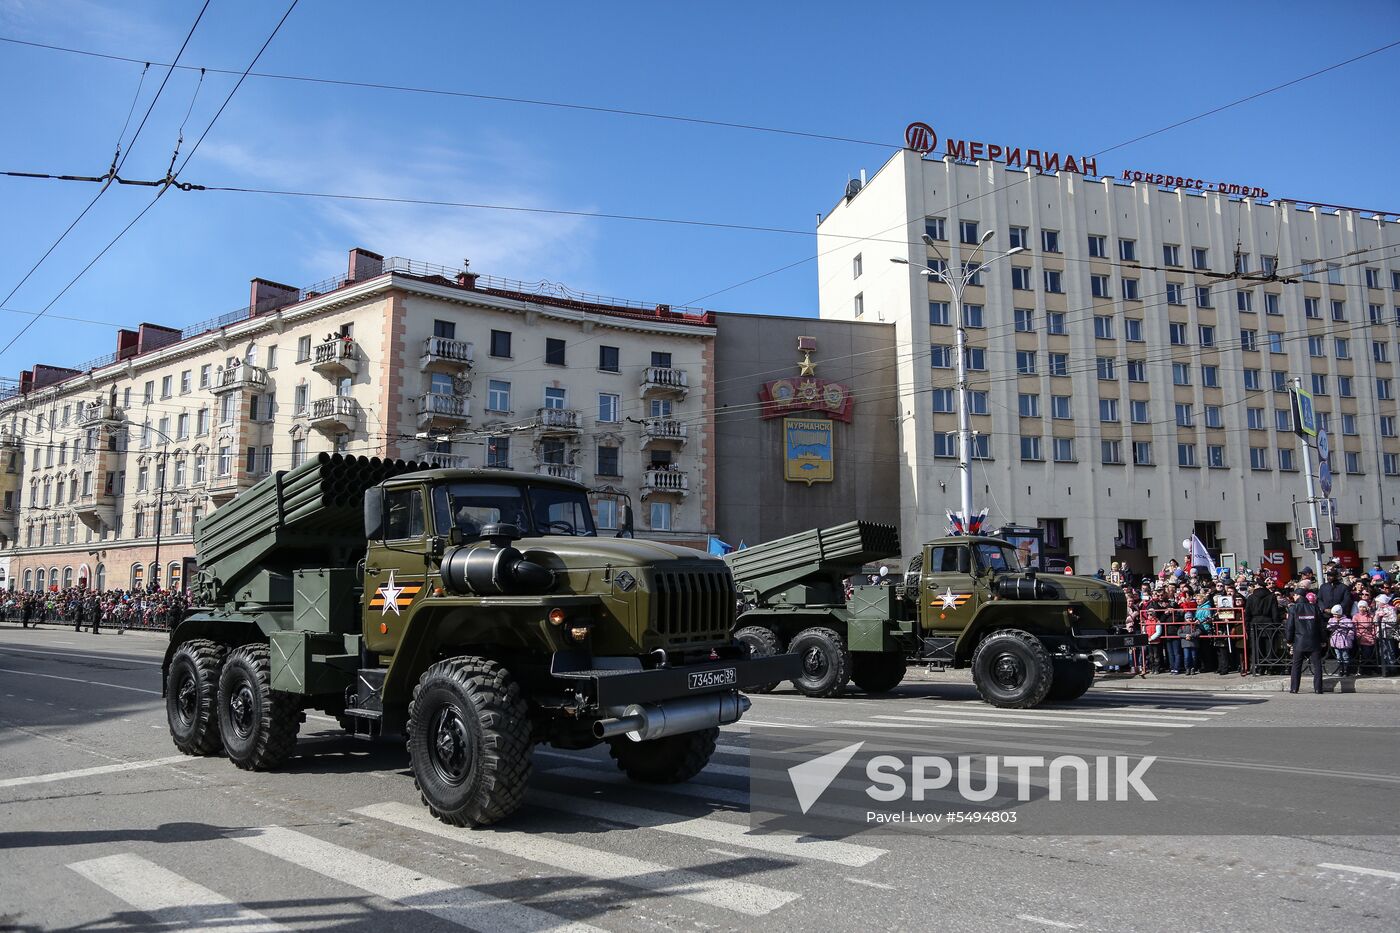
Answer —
138 621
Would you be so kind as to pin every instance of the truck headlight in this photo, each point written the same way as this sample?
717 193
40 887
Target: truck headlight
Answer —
577 632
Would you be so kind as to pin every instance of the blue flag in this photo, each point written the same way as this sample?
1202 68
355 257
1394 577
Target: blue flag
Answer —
718 548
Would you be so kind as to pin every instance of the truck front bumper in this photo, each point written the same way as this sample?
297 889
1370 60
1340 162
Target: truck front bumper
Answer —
619 682
1084 643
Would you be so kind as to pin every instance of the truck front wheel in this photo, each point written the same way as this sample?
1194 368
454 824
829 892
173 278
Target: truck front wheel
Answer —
469 741
762 643
1012 669
192 696
258 724
877 673
669 760
826 664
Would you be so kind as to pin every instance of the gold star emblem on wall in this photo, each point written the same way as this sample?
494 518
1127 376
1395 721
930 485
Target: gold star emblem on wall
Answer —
807 367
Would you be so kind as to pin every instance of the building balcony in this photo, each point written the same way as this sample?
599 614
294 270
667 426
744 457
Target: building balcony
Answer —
446 461
336 358
447 354
9 522
97 511
661 381
561 471
658 430
338 414
438 409
557 422
659 481
93 414
9 441
237 378
223 488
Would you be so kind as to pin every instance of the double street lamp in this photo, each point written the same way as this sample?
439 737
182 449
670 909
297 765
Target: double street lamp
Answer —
957 282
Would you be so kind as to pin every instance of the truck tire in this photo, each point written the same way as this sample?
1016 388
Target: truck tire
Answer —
762 643
1072 679
669 760
258 724
826 664
877 673
469 741
192 696
1012 669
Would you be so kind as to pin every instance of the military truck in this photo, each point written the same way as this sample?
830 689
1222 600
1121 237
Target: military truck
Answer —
966 602
476 612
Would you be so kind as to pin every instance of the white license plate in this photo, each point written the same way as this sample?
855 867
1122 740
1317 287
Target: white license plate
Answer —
724 677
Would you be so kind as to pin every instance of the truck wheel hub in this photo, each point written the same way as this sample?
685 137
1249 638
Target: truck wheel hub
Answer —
449 747
814 662
1008 671
241 708
185 700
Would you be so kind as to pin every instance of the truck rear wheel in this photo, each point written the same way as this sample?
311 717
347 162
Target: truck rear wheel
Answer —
762 643
669 760
1072 679
826 664
877 673
1012 669
192 696
258 724
469 741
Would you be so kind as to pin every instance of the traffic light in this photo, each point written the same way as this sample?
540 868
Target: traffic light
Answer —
1310 541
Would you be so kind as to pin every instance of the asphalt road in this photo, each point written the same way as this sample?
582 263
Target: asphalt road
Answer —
103 826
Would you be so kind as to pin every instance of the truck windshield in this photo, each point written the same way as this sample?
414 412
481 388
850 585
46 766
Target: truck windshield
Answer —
535 509
998 557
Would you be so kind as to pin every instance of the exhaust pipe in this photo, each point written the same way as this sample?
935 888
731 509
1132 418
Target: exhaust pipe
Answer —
642 723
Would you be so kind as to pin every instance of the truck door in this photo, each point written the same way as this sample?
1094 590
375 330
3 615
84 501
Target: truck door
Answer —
395 569
948 599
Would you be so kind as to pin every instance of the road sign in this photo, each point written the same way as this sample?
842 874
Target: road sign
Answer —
1324 478
1324 447
1304 417
1310 539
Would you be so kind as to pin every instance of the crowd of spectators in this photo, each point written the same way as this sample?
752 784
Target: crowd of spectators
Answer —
1197 621
84 608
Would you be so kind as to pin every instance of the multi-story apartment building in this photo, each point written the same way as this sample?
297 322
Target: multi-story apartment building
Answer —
1129 369
107 468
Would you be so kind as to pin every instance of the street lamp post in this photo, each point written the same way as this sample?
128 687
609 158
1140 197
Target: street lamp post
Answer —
958 282
161 472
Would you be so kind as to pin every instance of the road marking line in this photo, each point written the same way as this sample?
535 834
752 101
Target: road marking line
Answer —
1063 719
173 901
709 793
1114 712
74 654
89 772
1049 923
872 884
457 904
1378 872
752 899
779 725
78 680
711 830
952 721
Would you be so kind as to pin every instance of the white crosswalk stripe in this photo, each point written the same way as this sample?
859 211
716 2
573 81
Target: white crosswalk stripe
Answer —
1057 718
173 901
711 829
454 903
742 897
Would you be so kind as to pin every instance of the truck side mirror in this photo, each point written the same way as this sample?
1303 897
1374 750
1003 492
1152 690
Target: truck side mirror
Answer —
374 513
626 530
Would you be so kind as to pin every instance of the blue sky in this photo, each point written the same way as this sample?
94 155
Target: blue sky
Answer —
1074 77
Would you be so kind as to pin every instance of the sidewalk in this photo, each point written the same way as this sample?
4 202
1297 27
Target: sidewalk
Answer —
1200 683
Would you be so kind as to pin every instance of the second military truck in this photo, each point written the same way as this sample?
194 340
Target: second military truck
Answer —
476 612
966 602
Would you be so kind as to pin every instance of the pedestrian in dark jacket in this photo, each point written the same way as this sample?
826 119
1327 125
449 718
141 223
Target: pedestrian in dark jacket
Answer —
1336 593
1306 634
1262 613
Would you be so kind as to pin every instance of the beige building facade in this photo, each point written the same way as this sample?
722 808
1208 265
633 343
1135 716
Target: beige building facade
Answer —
107 469
1129 369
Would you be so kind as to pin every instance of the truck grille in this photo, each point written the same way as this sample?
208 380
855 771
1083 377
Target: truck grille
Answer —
1117 606
691 605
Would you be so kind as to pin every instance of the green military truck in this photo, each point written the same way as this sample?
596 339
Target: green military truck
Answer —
965 602
476 612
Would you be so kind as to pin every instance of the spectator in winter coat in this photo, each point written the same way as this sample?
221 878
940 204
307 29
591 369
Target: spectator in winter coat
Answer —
1336 593
1305 635
1365 624
1342 639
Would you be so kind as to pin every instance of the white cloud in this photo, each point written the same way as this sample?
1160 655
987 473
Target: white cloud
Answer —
488 170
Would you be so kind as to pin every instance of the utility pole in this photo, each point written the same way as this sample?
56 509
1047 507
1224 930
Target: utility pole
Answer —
1300 427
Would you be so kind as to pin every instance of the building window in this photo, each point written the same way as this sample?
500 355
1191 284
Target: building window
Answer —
608 461
1200 258
1021 278
934 227
941 356
945 445
225 464
1171 254
1390 463
1142 453
856 266
1132 330
1271 305
1127 250
661 516
1055 323
1334 273
967 232
1286 461
1025 320
609 407
1352 460
1130 290
943 401
1258 458
1312 308
1210 376
1030 449
555 397
1174 294
1028 405
1249 339
860 305
498 395
1186 455
298 457
1025 362
1103 327
500 343
1100 286
1215 456
498 453
1063 449
1206 332
1177 334
1212 417
1111 452
1375 313
1108 410
977 359
1203 296
1137 411
1106 367
1059 364
1387 425
1349 425
167 386
1098 246
1339 311
1283 420
1275 341
1183 415
1050 241
973 316
1054 282
1383 389
1244 302
938 313
1319 383
1060 408
553 351
608 359
1020 236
